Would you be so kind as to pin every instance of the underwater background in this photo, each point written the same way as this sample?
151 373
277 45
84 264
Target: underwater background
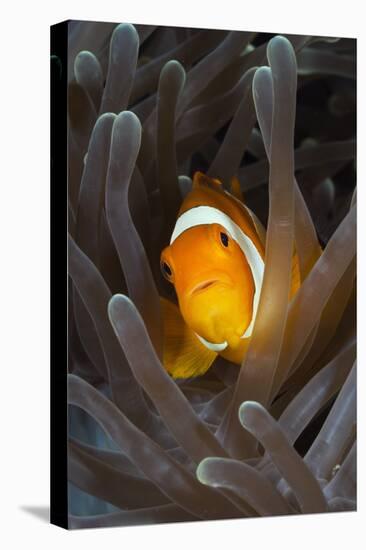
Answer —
276 436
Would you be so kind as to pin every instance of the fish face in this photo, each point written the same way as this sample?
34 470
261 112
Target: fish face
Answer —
213 283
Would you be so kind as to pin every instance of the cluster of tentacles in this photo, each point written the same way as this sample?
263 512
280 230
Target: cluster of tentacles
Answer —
276 436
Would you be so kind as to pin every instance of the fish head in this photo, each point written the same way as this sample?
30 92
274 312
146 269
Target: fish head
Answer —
213 283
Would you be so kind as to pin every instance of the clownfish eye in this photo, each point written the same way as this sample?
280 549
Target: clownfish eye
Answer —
166 270
224 239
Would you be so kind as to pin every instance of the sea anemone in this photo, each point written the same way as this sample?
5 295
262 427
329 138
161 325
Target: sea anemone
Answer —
148 106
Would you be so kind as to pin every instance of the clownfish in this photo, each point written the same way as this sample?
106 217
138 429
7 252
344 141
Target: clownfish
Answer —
215 260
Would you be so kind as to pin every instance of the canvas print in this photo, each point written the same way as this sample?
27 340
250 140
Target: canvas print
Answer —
211 274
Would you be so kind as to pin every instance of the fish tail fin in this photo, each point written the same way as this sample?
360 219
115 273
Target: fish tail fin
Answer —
183 354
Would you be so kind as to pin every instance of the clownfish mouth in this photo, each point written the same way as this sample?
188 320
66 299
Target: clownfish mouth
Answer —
203 285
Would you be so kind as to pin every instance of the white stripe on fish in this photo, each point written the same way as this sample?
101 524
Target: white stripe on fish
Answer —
206 215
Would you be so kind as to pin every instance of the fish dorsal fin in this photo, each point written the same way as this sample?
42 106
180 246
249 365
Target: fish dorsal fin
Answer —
183 354
235 189
200 179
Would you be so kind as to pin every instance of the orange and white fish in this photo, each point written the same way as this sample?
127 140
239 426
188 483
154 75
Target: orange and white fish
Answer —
215 260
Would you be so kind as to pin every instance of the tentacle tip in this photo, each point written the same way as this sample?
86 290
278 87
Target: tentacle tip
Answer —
83 53
279 40
174 63
128 116
106 116
201 471
280 45
264 70
174 70
246 411
80 59
116 302
126 28
129 123
262 73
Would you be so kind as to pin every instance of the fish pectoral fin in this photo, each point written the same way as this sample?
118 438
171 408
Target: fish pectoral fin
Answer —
183 354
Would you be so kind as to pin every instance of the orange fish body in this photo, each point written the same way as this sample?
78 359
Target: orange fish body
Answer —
215 261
